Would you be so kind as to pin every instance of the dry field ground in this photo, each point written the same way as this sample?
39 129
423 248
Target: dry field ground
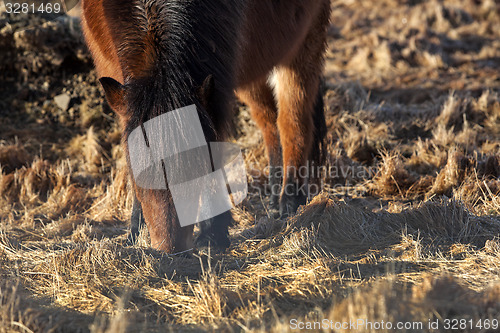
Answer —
406 228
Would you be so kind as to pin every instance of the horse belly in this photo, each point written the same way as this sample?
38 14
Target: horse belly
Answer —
272 34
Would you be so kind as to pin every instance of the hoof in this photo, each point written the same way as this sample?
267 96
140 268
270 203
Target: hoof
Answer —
290 204
214 244
274 206
214 233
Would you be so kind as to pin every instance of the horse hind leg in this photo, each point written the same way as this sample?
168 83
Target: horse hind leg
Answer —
296 89
296 126
260 99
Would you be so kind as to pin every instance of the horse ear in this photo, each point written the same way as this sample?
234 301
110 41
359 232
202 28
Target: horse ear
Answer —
115 95
207 90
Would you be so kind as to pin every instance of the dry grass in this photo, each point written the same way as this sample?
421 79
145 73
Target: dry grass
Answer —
406 229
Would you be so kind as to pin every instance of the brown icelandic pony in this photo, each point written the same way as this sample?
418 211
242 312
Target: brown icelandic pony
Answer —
154 56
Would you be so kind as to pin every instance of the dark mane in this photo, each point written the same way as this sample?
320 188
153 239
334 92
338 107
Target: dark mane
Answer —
168 47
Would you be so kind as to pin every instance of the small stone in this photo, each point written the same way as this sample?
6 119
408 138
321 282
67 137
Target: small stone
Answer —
62 101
